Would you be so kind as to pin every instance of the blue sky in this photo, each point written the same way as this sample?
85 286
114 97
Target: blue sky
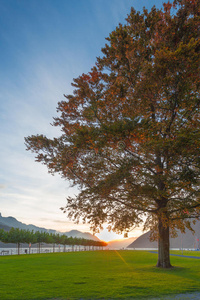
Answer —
44 44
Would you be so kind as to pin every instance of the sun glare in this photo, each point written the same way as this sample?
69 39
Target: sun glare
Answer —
107 236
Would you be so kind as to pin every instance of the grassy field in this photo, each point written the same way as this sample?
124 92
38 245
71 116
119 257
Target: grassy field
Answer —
95 275
187 253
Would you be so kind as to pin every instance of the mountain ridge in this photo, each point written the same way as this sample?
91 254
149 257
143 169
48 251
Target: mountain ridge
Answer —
7 223
121 243
187 240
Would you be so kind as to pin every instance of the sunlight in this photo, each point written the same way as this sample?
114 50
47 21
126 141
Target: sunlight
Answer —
107 236
122 258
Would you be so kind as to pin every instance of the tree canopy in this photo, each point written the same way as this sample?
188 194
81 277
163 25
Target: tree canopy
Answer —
130 132
18 236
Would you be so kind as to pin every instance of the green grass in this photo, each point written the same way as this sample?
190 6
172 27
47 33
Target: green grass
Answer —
94 275
186 252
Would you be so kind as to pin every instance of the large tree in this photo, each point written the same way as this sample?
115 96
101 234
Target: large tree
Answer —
130 132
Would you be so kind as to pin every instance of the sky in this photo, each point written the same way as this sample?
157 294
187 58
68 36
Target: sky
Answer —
44 44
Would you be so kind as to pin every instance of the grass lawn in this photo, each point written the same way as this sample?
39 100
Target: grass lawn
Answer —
95 275
186 252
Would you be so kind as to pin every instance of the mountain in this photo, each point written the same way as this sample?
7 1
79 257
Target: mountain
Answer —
187 240
79 234
7 222
5 227
143 242
120 244
12 222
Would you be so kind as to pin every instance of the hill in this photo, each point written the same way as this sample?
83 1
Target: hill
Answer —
5 227
79 234
187 240
12 222
7 222
120 244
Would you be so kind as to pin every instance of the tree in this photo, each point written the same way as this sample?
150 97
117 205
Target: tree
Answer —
18 236
64 241
41 237
130 132
3 235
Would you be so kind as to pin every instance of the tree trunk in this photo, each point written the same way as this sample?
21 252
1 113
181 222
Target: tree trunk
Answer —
18 248
163 245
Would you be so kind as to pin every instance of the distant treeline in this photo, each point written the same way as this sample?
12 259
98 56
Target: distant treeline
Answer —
18 236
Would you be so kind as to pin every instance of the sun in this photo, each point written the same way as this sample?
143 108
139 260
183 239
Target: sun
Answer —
107 236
